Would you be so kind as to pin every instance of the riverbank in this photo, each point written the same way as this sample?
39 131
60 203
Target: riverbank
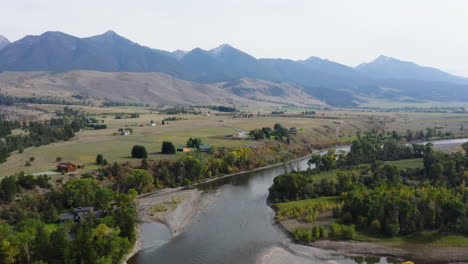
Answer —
291 252
175 208
424 247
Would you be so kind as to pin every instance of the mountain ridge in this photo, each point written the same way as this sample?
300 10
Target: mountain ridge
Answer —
109 52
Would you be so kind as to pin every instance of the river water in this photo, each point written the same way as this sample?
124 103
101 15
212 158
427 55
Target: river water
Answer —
237 227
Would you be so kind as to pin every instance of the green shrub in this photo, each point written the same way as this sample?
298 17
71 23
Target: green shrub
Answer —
376 226
168 148
392 229
335 231
349 232
139 152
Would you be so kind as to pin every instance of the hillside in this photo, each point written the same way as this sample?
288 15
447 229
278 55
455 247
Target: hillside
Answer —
153 88
336 84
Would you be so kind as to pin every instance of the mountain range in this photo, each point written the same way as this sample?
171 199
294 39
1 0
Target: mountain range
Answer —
333 83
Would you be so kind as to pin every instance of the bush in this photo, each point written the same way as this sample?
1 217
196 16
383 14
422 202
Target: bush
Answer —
349 232
31 159
316 232
376 226
347 217
168 148
58 159
392 229
139 152
323 233
336 231
362 221
27 164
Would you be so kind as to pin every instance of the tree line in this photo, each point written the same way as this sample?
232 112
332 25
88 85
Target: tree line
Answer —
12 100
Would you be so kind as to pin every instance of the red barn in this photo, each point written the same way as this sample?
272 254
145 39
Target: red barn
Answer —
66 167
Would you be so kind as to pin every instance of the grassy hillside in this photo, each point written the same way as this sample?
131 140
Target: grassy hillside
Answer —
152 88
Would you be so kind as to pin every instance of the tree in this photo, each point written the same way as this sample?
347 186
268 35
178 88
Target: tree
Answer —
194 142
168 148
140 179
139 152
315 160
144 164
81 192
257 134
99 159
58 159
8 188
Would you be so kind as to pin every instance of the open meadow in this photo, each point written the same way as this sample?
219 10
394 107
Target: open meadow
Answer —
324 127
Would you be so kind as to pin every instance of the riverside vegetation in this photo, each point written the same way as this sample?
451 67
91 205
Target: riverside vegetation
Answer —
375 198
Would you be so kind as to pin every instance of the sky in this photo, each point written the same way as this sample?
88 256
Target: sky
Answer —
429 32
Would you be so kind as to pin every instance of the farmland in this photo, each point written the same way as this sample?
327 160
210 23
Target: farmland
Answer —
326 126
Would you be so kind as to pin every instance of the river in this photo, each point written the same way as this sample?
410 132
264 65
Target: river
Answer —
237 227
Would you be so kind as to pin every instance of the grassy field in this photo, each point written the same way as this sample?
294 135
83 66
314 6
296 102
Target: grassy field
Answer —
328 126
83 148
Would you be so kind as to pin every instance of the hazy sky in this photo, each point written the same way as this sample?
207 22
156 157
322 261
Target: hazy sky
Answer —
428 32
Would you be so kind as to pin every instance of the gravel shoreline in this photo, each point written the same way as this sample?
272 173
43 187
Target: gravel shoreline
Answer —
291 252
177 218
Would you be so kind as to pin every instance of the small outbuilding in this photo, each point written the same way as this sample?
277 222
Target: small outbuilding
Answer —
183 149
125 132
66 167
204 148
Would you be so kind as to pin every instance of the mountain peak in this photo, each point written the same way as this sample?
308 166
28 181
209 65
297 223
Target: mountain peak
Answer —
179 54
220 49
315 59
383 59
3 42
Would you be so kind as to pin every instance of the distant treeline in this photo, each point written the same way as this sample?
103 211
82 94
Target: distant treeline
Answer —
418 109
221 108
192 109
107 104
12 100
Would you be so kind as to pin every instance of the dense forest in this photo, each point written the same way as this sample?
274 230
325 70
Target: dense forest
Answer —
381 198
31 233
38 133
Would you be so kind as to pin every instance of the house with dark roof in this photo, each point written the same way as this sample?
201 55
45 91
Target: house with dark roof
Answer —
66 167
81 212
